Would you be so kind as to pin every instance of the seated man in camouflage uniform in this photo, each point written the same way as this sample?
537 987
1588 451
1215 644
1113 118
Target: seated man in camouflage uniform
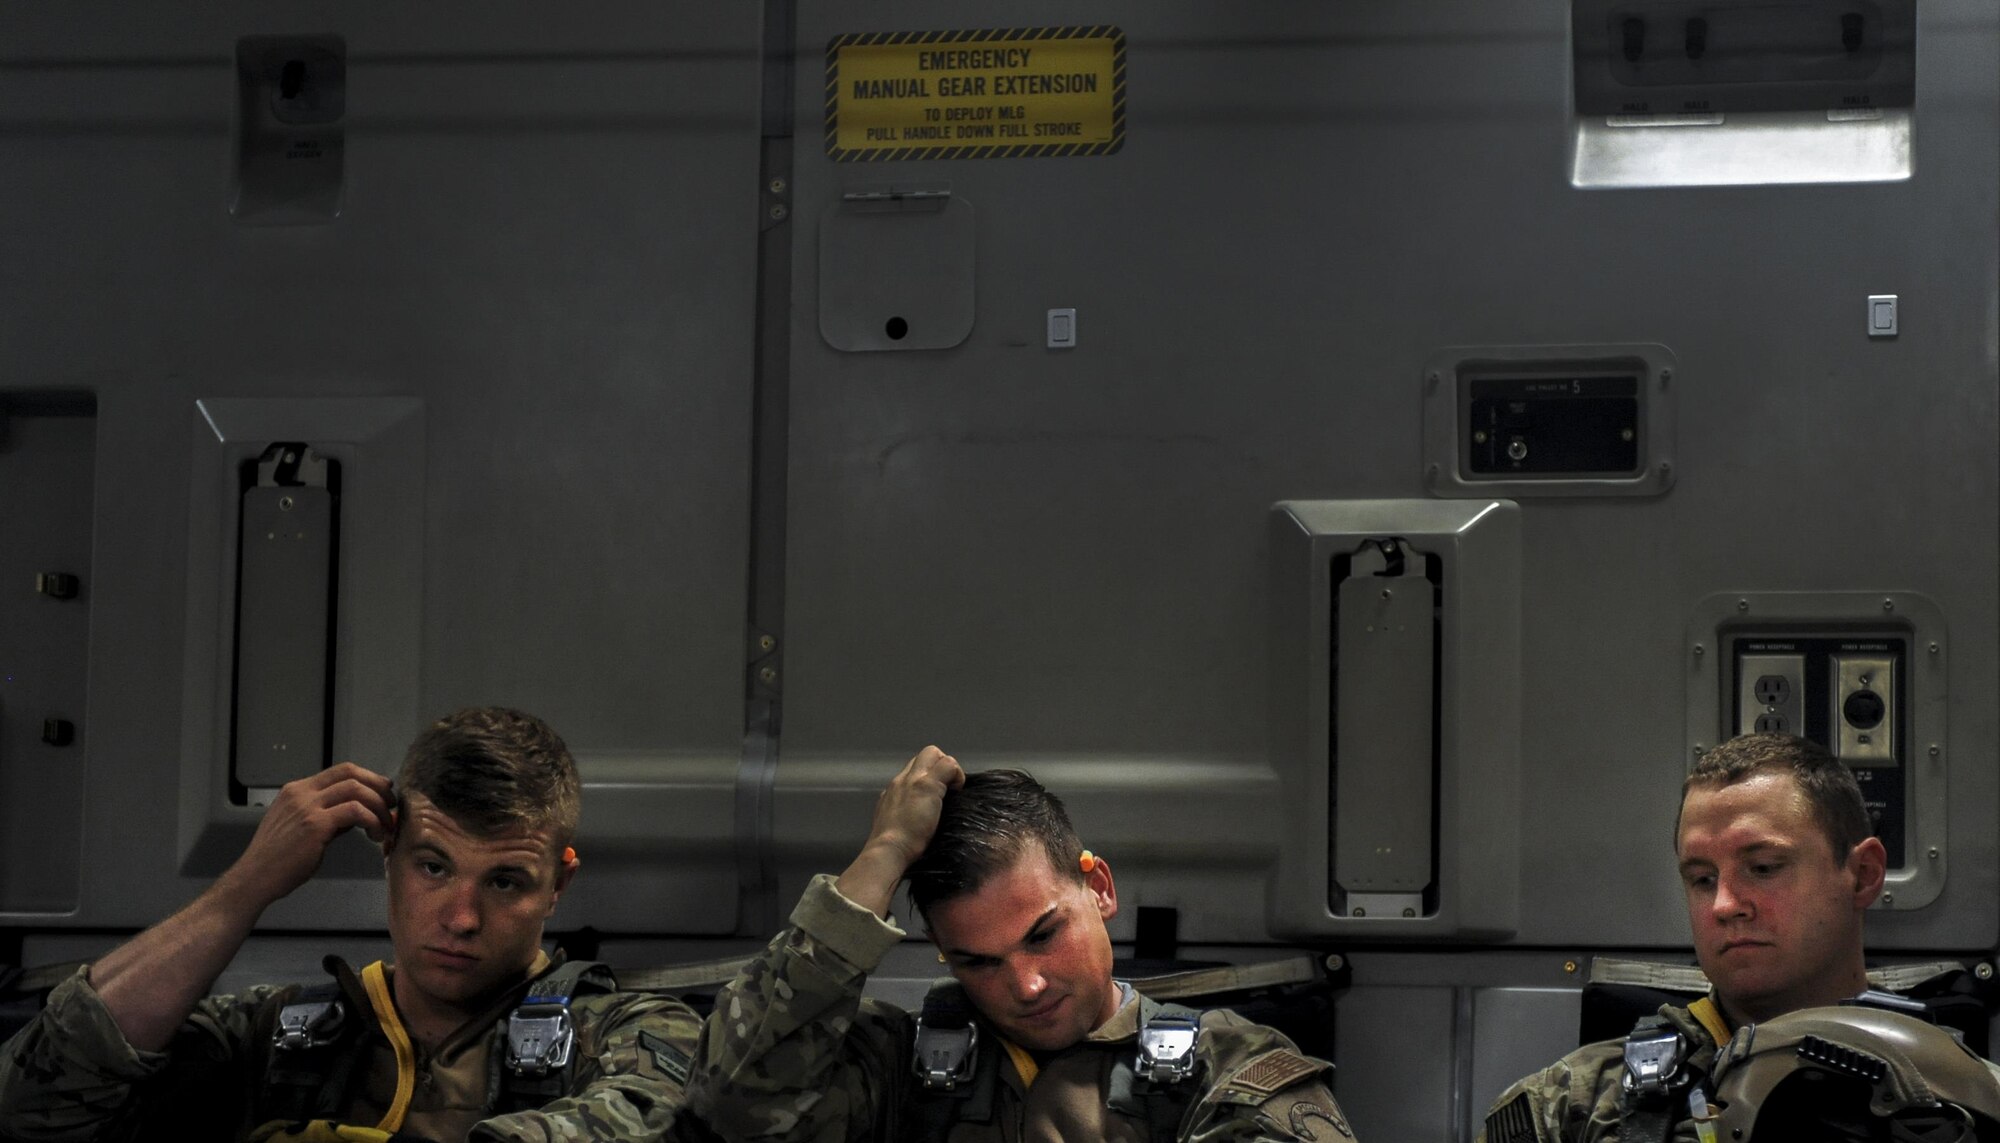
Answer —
1035 1041
1779 864
475 839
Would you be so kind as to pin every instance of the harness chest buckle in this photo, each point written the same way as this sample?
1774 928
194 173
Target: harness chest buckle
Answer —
944 1056
1166 1049
539 1038
1653 1063
308 1024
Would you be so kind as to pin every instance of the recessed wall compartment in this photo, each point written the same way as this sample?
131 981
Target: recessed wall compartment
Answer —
896 270
290 138
1561 420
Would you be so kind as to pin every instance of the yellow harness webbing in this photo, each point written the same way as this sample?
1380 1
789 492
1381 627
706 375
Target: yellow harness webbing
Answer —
1711 1020
1024 1064
377 983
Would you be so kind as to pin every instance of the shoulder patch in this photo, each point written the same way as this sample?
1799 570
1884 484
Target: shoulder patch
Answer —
1274 1071
1512 1122
672 1062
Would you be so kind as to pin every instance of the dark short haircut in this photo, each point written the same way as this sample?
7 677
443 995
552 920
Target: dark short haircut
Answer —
494 769
984 827
1829 787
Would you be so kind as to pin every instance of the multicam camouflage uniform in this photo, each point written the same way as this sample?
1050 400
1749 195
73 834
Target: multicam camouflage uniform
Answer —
71 1075
1576 1099
793 1053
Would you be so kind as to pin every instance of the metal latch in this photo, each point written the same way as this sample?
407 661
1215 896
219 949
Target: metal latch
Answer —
1166 1049
309 1024
1653 1063
291 465
539 1037
944 1055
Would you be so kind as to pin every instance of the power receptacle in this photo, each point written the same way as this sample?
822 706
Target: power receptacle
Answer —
1770 695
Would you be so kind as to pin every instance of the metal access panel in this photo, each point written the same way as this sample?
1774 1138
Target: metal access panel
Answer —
1742 92
48 460
1575 420
896 269
1396 628
1385 741
290 137
285 588
304 607
1863 675
1718 56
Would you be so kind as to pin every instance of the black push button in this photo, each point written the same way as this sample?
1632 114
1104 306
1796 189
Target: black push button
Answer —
1635 39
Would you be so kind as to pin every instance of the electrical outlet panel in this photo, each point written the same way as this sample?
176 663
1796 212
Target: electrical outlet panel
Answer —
1839 691
1771 694
1861 673
1863 709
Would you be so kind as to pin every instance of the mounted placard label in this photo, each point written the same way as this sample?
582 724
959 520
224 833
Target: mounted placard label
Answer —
989 94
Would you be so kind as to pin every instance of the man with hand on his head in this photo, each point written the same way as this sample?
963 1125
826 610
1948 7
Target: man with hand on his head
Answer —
475 838
1034 1041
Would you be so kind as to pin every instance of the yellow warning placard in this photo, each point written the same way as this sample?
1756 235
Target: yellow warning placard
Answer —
995 93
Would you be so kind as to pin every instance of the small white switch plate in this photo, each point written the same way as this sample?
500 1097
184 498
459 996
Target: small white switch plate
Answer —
1881 315
1062 329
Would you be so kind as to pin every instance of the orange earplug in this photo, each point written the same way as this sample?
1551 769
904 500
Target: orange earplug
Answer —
1087 862
569 854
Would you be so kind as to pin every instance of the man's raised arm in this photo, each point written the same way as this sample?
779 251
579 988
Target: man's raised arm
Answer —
150 983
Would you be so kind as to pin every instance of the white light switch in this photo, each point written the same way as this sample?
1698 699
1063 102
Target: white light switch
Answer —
1881 315
1062 329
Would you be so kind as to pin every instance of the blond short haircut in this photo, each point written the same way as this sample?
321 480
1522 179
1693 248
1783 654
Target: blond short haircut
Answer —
494 769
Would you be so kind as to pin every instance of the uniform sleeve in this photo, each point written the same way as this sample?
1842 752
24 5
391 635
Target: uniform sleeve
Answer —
1571 1100
70 1074
635 1051
791 1053
1259 1086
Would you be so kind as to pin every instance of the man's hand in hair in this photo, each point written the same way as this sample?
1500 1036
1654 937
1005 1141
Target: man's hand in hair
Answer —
906 815
302 821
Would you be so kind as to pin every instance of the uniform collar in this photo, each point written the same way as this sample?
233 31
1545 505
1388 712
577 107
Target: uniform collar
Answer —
1124 1023
471 1032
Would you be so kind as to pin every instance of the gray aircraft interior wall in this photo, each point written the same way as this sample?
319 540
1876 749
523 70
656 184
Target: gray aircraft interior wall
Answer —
558 242
534 250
